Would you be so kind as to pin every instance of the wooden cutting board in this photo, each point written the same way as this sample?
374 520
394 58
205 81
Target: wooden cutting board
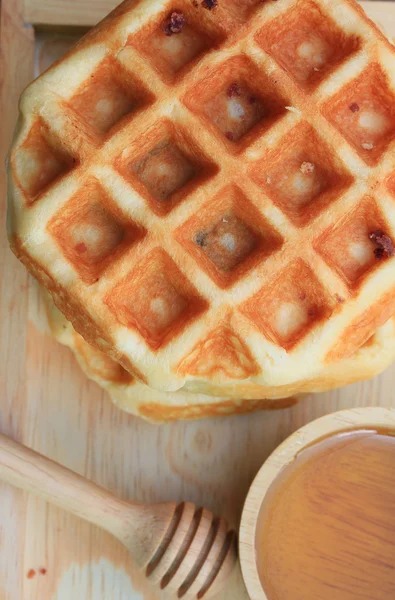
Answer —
47 403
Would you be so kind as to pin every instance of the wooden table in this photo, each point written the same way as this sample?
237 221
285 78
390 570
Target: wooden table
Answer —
47 403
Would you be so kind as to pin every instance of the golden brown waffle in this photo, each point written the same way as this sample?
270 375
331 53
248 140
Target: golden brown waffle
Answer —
200 204
134 397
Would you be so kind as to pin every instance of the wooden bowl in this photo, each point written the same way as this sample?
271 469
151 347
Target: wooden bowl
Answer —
371 418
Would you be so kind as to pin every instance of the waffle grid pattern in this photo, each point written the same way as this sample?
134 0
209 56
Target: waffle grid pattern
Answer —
135 397
105 128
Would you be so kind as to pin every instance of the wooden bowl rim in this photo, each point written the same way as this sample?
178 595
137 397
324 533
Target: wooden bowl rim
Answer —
369 417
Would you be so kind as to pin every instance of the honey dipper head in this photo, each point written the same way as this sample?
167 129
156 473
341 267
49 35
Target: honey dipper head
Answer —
195 555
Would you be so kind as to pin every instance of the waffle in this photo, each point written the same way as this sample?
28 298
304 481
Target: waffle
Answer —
136 398
208 191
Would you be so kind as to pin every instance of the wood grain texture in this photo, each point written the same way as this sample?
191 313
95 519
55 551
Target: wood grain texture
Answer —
86 13
16 67
47 403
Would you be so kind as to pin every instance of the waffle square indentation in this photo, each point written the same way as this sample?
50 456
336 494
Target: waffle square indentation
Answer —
175 49
164 166
40 161
307 43
242 11
239 101
110 94
92 232
303 176
347 247
228 236
289 306
156 299
364 113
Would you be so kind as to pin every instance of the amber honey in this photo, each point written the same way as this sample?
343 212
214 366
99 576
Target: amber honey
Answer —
326 529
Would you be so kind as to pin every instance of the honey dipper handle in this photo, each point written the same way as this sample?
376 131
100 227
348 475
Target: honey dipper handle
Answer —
35 473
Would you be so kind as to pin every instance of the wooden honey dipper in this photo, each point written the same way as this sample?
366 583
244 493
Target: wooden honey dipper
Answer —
182 548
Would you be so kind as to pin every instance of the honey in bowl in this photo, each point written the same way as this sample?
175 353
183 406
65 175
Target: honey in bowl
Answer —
326 528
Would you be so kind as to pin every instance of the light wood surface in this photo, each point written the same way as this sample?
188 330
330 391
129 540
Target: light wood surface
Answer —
88 12
49 405
16 65
363 418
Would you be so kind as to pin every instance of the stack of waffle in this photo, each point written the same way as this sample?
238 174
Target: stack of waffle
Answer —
206 188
